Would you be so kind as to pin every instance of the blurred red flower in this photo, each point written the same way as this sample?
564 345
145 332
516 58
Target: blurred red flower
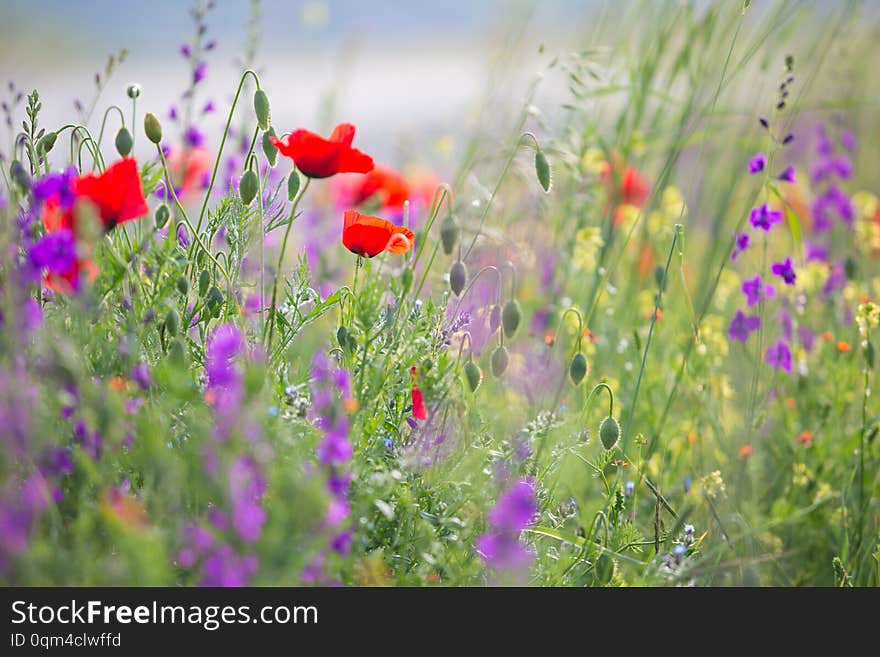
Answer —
116 193
317 157
418 402
368 236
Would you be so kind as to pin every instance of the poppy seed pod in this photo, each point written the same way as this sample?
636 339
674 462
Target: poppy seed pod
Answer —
457 277
494 319
609 432
500 359
449 233
473 374
162 215
342 336
215 298
292 185
172 322
578 368
406 279
268 148
261 107
542 168
204 282
152 128
183 285
133 91
124 141
510 317
248 187
47 142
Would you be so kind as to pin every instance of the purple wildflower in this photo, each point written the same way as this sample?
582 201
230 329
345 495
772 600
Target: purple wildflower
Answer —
194 137
778 356
741 244
514 511
787 175
848 140
200 72
140 373
246 489
757 164
54 251
763 217
742 326
816 251
784 270
756 292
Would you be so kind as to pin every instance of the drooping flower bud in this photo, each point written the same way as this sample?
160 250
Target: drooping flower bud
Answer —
204 282
449 233
152 128
578 368
457 278
268 148
47 142
172 322
261 107
542 168
494 319
124 141
248 186
473 374
609 432
510 317
500 360
292 185
162 215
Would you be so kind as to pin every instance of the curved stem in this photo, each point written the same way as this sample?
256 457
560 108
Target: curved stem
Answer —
104 122
474 280
598 387
223 143
507 264
577 312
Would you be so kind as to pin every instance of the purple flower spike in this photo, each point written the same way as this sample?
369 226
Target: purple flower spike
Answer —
785 270
787 175
757 164
778 356
200 72
848 140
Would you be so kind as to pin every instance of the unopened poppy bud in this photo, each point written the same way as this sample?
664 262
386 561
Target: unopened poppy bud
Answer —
578 368
162 215
172 322
609 432
175 351
342 337
457 277
152 128
510 317
183 285
261 107
133 91
494 319
215 298
500 359
248 186
47 142
204 282
473 374
449 233
542 168
269 148
406 279
292 185
124 141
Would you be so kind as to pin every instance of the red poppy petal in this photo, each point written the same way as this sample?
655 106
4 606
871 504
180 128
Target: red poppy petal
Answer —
343 134
354 161
117 192
366 239
419 411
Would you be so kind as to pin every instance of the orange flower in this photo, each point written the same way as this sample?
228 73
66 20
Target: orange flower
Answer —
692 438
368 236
843 346
805 438
745 451
789 403
826 335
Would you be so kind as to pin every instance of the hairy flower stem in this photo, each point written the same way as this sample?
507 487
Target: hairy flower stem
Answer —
272 309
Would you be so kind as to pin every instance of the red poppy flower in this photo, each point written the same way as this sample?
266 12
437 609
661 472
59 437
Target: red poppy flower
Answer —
188 169
368 236
418 402
117 193
382 185
317 157
634 189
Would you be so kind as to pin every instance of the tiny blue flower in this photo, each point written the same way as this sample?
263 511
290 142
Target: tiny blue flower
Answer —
629 488
273 411
678 551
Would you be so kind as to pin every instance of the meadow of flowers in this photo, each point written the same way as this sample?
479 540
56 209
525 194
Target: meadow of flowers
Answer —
625 338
